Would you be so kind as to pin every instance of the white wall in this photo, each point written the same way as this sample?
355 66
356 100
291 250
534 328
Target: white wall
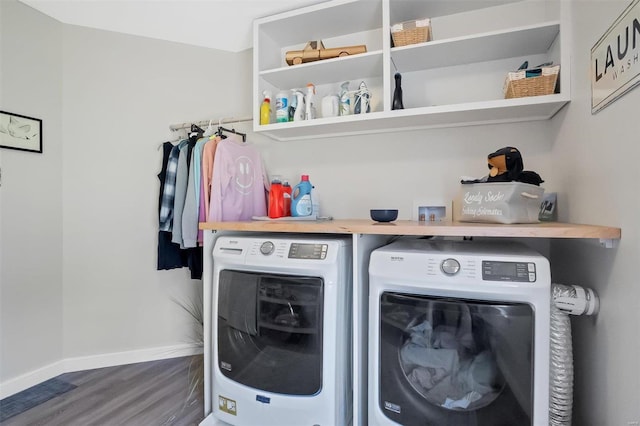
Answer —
121 93
31 194
79 283
596 157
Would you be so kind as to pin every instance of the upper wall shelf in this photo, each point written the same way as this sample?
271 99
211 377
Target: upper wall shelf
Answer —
365 65
468 114
529 40
456 79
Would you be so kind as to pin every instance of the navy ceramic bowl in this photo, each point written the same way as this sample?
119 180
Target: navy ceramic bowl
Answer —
384 215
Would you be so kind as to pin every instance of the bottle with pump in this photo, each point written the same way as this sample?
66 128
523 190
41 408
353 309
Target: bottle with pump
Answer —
276 199
265 108
301 204
282 107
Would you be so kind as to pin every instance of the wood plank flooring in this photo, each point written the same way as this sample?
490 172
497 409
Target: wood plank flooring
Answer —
144 394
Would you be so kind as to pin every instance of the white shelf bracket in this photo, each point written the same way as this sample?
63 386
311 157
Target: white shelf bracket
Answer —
608 243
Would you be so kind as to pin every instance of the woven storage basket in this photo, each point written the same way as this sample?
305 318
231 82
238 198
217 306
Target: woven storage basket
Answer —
411 32
518 86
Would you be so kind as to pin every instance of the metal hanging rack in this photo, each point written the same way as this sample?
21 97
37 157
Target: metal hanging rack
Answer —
205 123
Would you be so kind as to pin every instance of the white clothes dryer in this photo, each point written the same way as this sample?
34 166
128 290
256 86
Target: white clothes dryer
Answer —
458 334
282 330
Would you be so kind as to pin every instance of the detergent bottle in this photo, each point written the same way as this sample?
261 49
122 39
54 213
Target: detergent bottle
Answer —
301 204
276 199
286 195
265 108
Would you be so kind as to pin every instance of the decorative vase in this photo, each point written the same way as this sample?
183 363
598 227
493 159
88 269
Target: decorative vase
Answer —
397 93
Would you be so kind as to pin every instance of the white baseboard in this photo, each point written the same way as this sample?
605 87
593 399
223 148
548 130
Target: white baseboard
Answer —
212 421
90 362
32 378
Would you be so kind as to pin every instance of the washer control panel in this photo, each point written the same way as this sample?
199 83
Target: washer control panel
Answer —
508 271
308 251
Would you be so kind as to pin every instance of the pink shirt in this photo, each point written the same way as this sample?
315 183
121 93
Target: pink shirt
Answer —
239 186
208 155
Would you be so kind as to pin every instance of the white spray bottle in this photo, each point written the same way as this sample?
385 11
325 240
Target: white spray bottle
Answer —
299 113
310 111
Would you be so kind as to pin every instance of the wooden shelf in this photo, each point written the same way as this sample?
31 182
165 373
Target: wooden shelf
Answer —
409 227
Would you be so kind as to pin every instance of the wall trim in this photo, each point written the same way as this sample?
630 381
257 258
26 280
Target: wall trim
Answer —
89 362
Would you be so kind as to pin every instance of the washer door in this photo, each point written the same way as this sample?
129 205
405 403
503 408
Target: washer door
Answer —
270 331
453 361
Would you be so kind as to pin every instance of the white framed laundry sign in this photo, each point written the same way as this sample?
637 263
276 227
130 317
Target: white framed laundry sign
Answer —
615 59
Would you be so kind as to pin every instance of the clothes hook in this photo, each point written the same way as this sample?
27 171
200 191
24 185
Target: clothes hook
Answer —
209 130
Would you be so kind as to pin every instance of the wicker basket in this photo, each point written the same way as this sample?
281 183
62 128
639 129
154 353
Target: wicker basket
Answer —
411 32
517 85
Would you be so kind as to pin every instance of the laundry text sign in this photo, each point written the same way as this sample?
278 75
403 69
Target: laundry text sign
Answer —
615 59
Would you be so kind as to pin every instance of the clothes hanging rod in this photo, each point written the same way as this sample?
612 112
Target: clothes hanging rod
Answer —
205 123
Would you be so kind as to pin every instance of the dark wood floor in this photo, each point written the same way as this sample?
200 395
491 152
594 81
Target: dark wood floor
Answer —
145 394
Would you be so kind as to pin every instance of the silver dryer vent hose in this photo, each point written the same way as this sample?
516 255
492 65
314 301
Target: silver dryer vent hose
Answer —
565 300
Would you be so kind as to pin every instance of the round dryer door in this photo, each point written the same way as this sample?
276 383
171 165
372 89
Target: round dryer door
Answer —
455 362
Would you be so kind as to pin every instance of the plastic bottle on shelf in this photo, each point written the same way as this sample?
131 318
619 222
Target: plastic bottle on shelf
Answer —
282 107
362 100
286 195
301 204
310 112
299 113
265 108
345 102
276 199
293 105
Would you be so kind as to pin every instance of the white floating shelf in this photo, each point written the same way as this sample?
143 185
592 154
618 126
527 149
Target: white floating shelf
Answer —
467 114
529 40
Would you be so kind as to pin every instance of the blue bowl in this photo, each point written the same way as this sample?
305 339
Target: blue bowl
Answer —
384 215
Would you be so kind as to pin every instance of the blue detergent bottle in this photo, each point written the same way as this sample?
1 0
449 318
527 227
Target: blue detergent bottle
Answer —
301 204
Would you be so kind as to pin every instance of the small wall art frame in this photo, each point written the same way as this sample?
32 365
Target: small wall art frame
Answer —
431 211
20 132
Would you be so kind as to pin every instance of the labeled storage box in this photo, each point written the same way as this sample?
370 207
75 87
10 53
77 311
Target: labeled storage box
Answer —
518 85
500 202
411 32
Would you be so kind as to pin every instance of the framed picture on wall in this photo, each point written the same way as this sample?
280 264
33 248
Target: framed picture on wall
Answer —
431 211
20 132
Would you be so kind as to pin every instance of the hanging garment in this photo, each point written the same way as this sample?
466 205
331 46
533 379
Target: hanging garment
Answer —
208 155
182 174
169 254
168 190
197 167
240 186
190 211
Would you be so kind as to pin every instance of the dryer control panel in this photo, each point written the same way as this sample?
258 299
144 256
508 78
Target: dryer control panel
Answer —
307 251
508 271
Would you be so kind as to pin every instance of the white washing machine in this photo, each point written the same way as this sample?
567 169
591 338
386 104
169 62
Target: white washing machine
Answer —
458 334
282 330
